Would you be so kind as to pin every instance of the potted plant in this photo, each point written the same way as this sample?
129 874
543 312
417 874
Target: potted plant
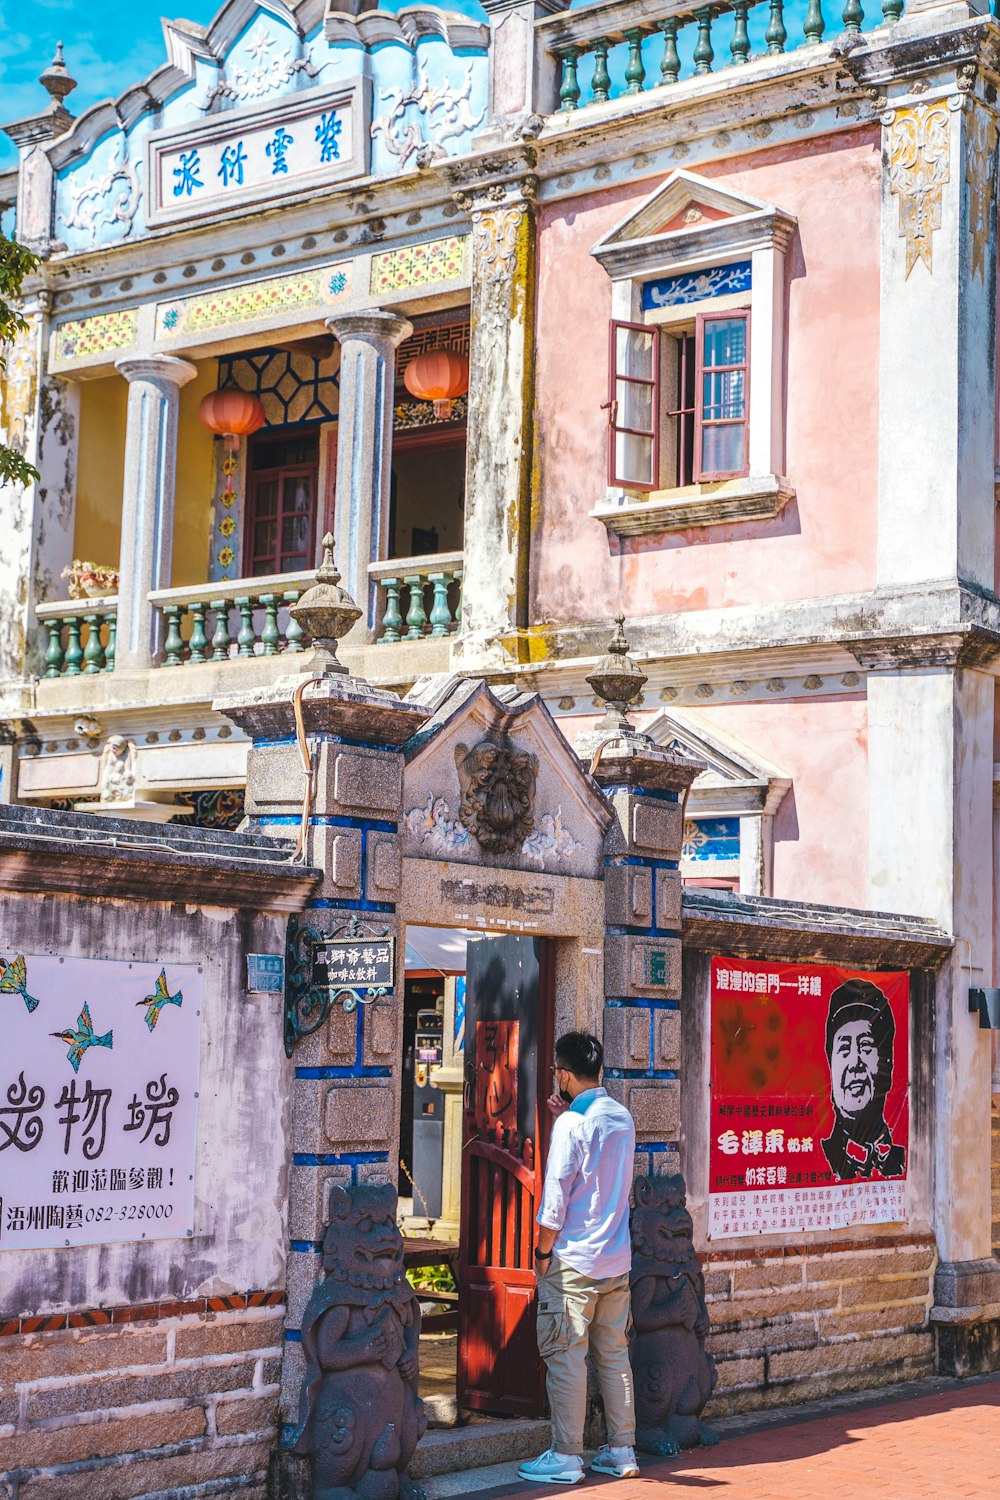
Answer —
89 580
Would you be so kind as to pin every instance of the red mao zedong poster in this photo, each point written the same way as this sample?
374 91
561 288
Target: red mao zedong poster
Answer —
809 1099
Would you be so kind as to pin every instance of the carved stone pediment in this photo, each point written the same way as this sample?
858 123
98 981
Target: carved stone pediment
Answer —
491 779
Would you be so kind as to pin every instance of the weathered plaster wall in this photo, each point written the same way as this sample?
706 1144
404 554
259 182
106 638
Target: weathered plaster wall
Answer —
100 467
824 541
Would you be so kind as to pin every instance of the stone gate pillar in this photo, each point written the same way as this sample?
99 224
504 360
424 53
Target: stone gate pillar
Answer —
344 1125
647 788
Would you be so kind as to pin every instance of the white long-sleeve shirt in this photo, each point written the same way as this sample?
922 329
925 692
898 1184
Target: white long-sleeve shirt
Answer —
588 1178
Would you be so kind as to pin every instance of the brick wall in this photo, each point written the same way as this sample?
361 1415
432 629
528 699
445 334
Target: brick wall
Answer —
806 1321
146 1406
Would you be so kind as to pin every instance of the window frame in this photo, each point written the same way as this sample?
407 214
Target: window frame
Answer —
729 315
256 473
650 330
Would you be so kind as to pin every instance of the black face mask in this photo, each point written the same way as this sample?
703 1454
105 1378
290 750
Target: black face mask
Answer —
565 1097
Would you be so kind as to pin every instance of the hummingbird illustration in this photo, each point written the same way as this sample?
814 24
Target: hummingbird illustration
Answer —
14 980
83 1037
160 997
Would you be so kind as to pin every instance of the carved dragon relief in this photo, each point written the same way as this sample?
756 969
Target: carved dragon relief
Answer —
447 113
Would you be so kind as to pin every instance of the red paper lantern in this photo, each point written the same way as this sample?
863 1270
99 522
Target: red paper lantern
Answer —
232 413
439 376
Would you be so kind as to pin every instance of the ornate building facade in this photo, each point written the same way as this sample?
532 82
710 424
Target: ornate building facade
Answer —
716 310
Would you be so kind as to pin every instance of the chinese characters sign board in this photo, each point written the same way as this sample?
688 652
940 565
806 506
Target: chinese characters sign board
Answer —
367 963
312 139
98 1100
809 1099
496 1076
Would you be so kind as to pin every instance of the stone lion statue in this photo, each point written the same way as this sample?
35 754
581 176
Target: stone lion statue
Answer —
497 784
674 1376
360 1415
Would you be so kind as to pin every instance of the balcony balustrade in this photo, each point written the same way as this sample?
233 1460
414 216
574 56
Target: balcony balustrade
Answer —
219 622
692 36
81 636
429 587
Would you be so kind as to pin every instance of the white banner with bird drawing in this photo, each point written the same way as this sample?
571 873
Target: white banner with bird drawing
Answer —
98 1099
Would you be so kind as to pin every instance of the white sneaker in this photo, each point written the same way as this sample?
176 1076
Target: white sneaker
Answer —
553 1468
617 1461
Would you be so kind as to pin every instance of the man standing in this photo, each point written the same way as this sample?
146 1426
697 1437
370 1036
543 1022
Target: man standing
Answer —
582 1261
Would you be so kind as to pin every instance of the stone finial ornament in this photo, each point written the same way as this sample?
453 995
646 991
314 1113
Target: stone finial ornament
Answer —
674 1376
56 80
326 612
361 1417
619 681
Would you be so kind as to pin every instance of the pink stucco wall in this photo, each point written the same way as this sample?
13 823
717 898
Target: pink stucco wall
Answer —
824 542
821 827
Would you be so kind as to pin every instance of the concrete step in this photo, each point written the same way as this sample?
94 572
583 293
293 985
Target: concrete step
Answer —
483 1443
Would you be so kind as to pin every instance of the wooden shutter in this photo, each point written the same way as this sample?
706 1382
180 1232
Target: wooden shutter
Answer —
633 406
722 416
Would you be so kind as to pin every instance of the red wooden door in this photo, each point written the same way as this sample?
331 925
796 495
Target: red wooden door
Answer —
508 1045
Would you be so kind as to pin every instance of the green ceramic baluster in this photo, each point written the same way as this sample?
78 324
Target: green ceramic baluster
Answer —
416 617
246 638
776 36
93 652
54 650
460 580
814 25
635 73
392 620
703 53
199 640
221 640
569 91
270 635
173 646
670 67
74 651
892 10
293 630
602 78
740 45
853 17
109 650
440 613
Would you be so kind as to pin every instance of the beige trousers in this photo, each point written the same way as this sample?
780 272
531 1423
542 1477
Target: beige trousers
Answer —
575 1311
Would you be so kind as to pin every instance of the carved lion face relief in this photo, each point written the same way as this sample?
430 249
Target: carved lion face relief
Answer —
497 784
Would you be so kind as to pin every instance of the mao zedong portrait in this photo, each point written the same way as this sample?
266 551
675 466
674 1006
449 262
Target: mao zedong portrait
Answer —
860 1036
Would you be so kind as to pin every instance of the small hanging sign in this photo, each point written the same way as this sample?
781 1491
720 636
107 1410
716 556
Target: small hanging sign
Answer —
363 964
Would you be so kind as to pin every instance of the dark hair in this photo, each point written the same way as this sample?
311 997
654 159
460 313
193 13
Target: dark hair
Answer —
581 1053
859 1000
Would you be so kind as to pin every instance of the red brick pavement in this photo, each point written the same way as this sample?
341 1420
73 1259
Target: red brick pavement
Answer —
944 1446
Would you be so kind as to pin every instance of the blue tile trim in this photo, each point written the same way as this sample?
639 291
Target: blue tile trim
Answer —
318 737
306 1247
644 932
293 1336
334 903
660 1146
355 1072
654 1073
326 820
335 1159
640 861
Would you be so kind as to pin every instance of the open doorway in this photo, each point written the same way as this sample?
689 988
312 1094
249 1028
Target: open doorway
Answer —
476 1054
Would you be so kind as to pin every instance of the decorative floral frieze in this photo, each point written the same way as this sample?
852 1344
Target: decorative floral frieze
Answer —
919 167
409 415
265 72
326 287
495 231
420 265
697 286
104 333
436 826
980 173
17 386
446 110
111 200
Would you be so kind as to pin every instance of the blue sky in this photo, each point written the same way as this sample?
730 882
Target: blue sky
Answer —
103 54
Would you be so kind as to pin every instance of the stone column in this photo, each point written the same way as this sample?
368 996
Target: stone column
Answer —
147 502
344 1126
930 779
501 417
39 418
524 78
368 343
